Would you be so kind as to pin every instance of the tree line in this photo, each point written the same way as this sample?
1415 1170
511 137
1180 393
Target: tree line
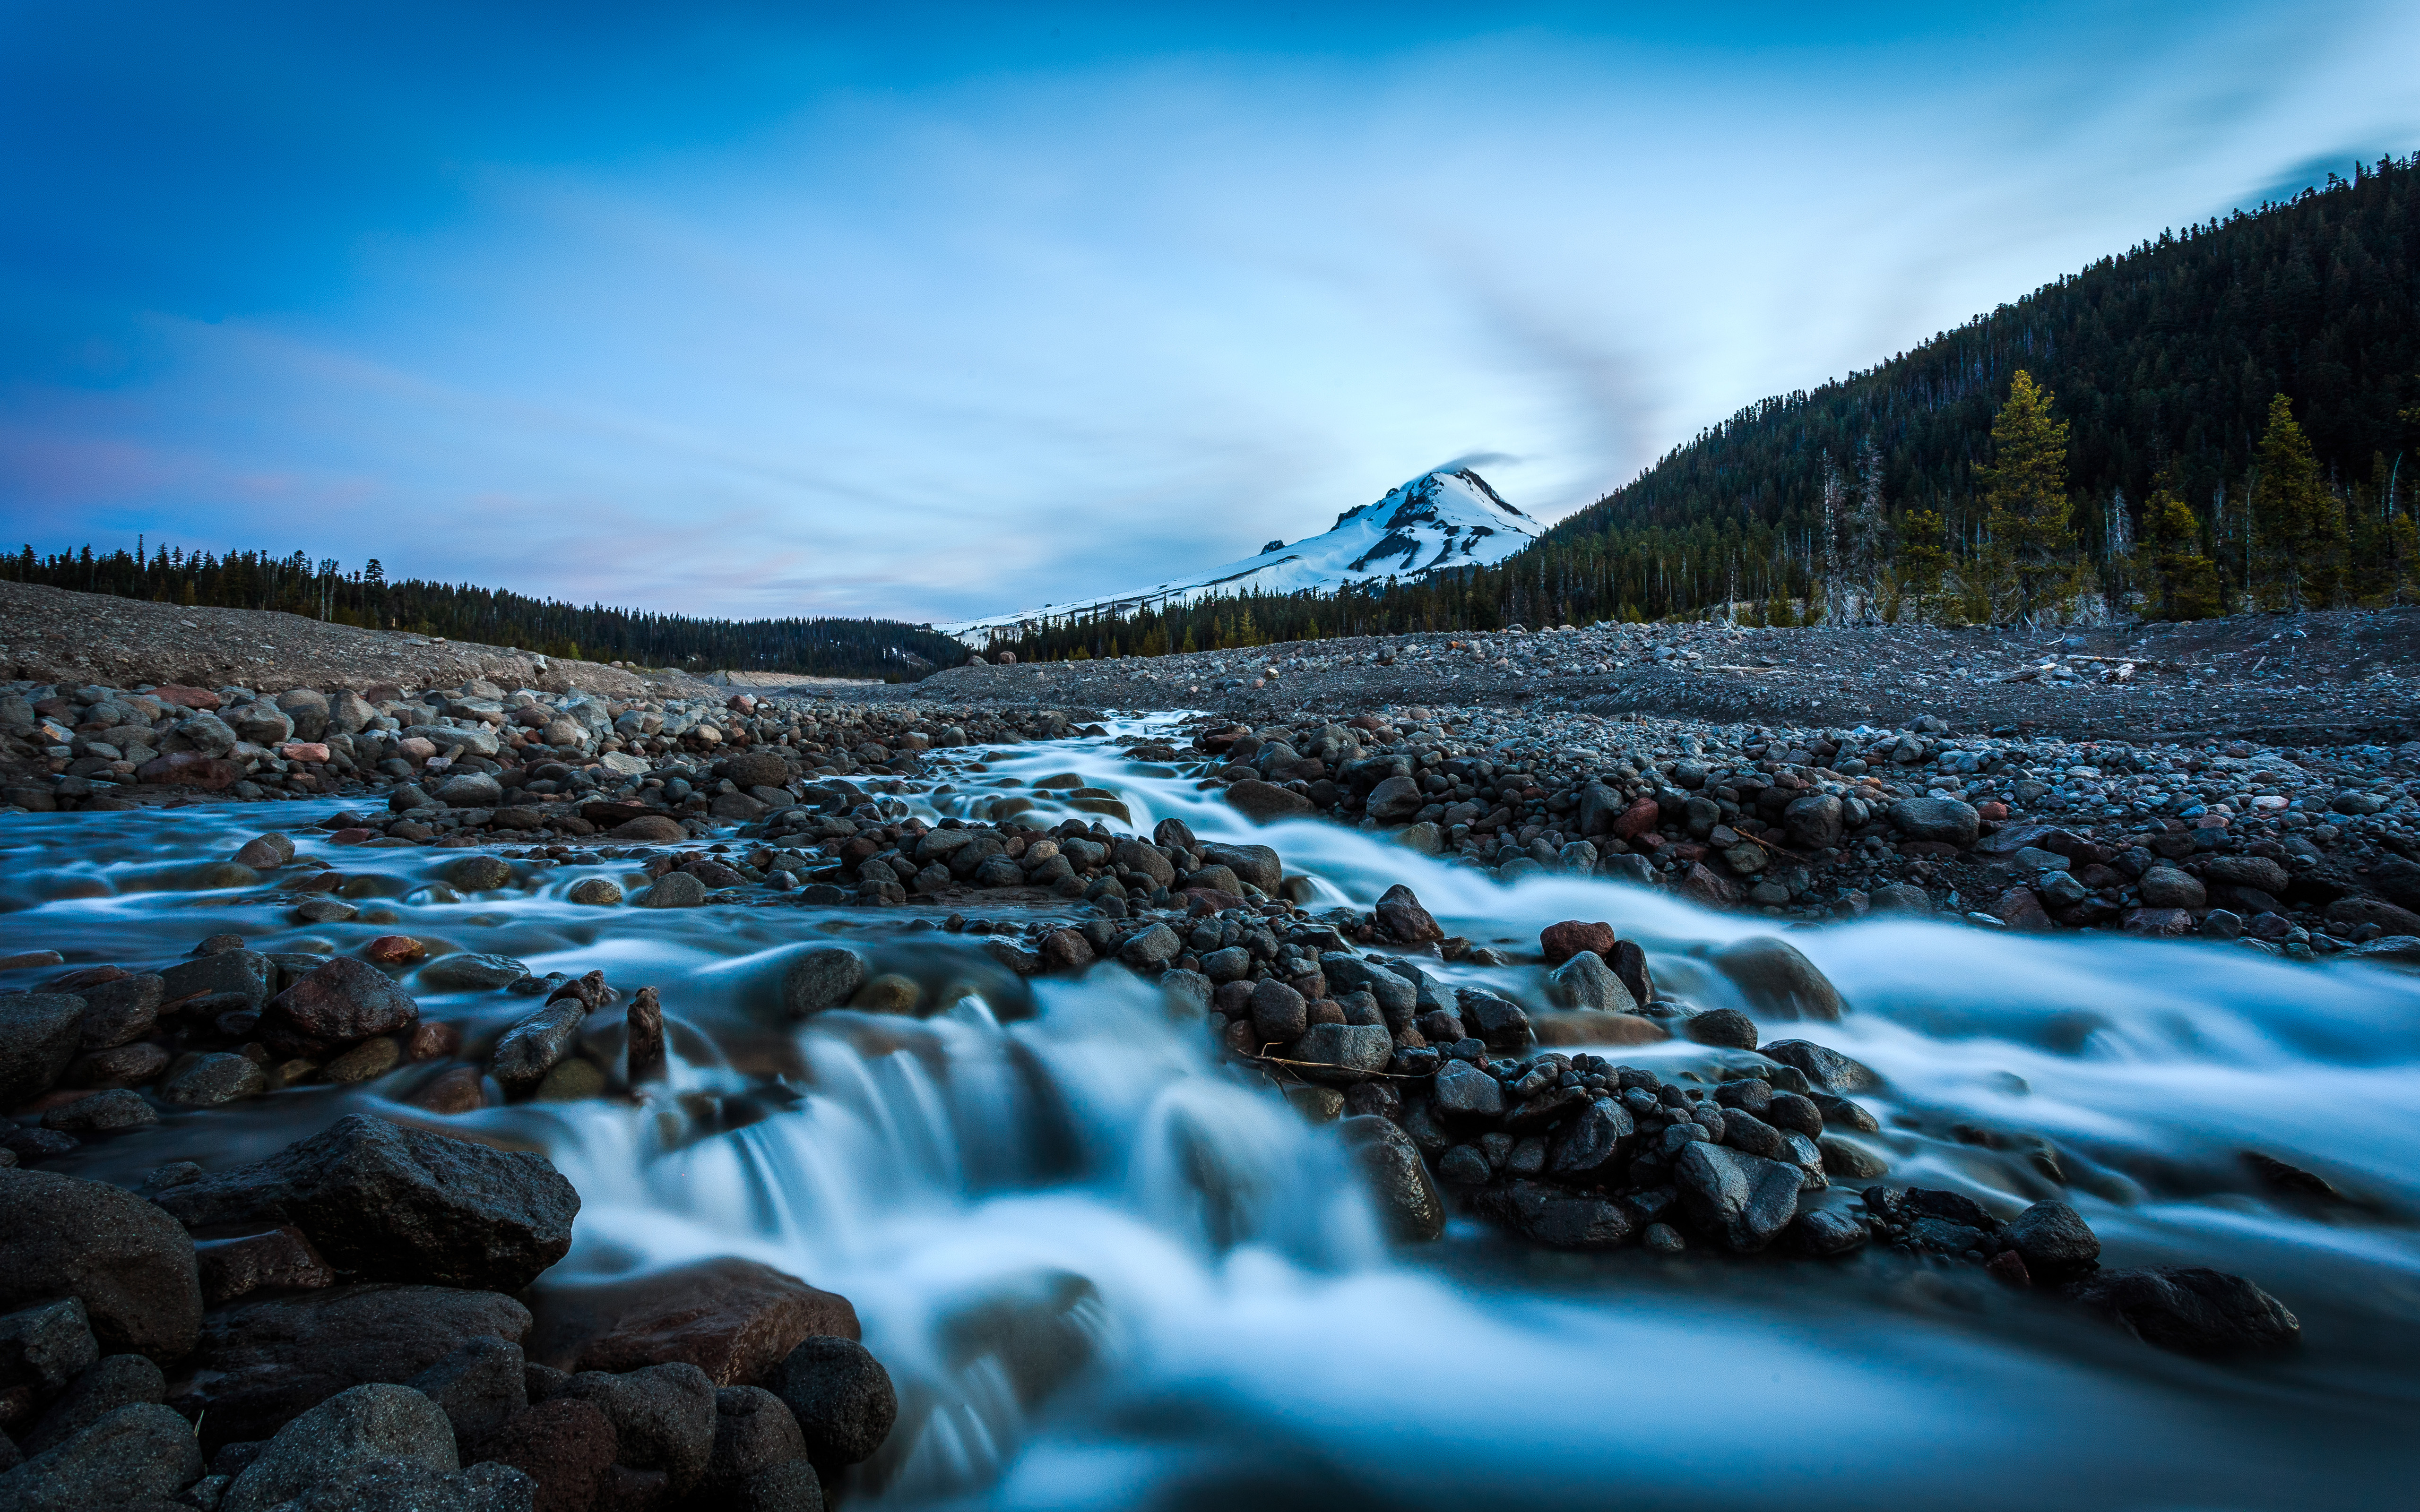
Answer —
323 590
2217 420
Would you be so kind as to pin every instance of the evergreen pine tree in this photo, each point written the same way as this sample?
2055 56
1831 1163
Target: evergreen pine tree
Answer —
2298 524
2032 518
2183 581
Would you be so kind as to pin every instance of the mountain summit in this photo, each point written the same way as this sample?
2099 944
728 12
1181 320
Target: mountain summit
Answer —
1449 517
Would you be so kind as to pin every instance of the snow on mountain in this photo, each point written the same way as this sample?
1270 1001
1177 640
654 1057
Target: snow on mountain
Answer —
1446 519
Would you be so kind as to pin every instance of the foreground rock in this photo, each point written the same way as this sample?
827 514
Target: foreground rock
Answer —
130 1264
735 1320
384 1202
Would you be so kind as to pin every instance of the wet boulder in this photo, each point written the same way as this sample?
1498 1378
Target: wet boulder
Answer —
1830 1070
2191 1310
1266 803
39 1033
1558 1219
1401 915
1742 1199
1410 1209
1339 1054
128 1262
247 974
538 1044
117 1012
1502 1024
2054 1240
843 1397
1591 1147
384 1202
1724 1028
1464 1094
1585 982
1255 864
1777 980
261 1362
1825 1232
1812 823
821 976
339 1004
736 1319
43 1348
1560 942
1941 821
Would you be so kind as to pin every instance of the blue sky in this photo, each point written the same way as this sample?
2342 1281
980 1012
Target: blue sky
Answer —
931 311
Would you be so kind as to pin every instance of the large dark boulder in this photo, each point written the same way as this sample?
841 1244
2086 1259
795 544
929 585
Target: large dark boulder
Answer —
844 1398
39 1033
753 1431
663 1418
261 1363
382 1202
1742 1199
128 1262
2054 1240
339 1004
1830 1070
1549 1215
137 1457
1777 980
353 1429
2191 1309
1410 1208
1400 914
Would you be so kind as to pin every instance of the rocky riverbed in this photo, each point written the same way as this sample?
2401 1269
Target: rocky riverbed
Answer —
507 1096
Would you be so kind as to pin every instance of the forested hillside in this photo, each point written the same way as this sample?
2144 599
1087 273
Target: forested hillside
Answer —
322 590
2169 478
2163 363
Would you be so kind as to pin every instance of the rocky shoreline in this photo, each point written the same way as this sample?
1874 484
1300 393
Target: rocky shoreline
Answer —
366 1318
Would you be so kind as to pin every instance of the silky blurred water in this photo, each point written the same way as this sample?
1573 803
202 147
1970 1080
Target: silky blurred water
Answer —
1108 1275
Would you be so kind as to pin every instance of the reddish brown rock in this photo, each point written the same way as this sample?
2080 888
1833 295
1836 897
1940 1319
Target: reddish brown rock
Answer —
1560 942
431 1041
460 1090
1400 914
191 769
1064 949
1637 820
394 951
340 1004
732 1318
644 1038
186 698
2021 908
651 829
1705 886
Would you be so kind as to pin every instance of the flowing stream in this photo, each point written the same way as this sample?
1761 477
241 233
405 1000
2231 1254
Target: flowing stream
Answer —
1108 1274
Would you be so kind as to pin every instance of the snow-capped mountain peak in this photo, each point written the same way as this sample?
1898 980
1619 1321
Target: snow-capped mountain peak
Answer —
1450 518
